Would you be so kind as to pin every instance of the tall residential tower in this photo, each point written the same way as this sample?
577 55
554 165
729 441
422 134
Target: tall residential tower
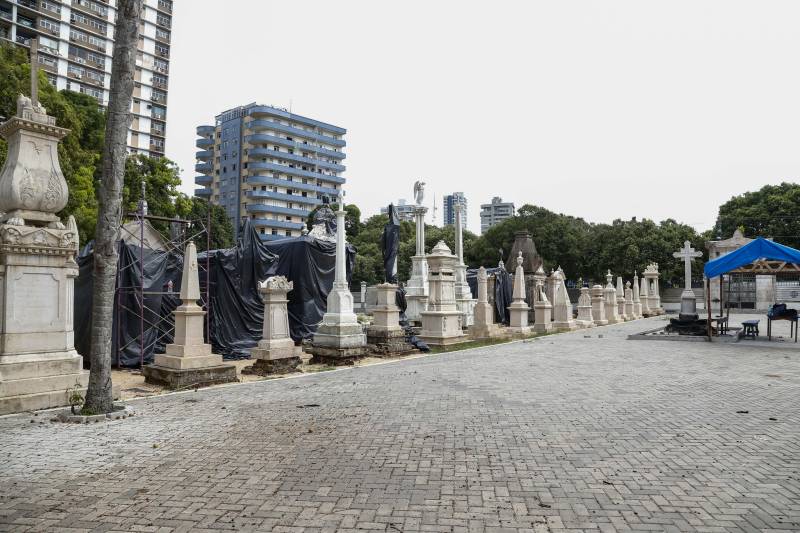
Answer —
269 165
76 42
449 211
495 212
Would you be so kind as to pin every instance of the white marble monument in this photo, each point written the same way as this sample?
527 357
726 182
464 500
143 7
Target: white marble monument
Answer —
276 352
417 286
562 306
621 301
637 302
464 300
543 309
644 298
518 310
629 313
385 332
611 306
585 318
441 322
483 325
599 305
688 299
651 275
339 339
39 366
188 360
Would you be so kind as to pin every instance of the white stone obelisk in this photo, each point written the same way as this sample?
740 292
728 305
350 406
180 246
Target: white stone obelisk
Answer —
562 306
189 360
339 338
464 300
417 286
688 299
637 302
621 300
484 325
518 310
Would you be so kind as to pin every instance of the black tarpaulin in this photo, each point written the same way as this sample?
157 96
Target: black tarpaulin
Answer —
390 246
503 291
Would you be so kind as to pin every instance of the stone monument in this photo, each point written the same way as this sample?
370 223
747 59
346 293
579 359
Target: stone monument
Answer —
610 304
483 325
276 352
644 298
441 324
562 306
188 360
518 310
531 261
385 333
339 339
599 305
39 366
637 302
629 313
417 286
464 300
688 300
621 301
653 292
543 309
585 319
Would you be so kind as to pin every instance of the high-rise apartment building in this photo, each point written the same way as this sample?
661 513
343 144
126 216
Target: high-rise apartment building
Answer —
495 212
269 165
404 210
76 42
449 212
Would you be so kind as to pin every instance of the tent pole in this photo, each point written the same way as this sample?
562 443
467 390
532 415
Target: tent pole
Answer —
708 306
721 295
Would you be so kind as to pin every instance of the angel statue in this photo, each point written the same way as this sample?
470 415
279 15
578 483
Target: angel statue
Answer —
419 191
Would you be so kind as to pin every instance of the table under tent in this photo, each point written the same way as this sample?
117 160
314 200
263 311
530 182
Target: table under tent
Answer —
759 257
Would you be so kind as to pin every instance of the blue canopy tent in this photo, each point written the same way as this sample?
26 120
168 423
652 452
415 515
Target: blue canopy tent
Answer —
760 256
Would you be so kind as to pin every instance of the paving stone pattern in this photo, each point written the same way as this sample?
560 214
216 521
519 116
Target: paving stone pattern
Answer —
561 433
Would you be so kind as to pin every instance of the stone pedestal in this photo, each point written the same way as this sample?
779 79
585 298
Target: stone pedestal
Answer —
623 317
518 310
188 361
483 324
464 300
585 319
610 304
441 322
543 309
651 275
276 352
599 306
385 333
637 302
417 286
339 339
39 366
629 313
644 299
562 306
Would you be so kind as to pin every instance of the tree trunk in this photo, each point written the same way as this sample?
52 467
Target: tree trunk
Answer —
99 397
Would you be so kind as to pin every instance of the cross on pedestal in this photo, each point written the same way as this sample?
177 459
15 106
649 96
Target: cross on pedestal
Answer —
687 253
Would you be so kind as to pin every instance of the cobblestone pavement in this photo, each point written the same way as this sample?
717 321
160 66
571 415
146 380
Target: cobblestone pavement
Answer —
561 433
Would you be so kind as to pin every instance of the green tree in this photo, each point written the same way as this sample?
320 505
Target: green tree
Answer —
772 211
352 218
197 210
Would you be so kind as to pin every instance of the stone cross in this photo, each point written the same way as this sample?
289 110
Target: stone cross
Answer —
687 253
35 72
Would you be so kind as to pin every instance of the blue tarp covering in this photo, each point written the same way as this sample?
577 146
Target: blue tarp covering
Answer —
760 248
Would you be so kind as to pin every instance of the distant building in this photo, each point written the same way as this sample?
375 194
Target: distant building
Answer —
404 211
449 211
495 212
269 165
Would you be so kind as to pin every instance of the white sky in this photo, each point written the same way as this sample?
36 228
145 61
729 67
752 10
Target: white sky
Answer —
599 109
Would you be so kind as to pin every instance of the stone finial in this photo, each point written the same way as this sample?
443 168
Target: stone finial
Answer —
519 259
441 248
190 281
275 283
482 275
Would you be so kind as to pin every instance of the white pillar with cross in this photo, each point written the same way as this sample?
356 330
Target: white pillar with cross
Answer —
688 300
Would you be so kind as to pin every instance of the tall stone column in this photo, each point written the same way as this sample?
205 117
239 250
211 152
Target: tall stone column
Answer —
464 300
518 310
637 302
188 360
441 322
610 293
339 338
39 366
484 325
276 352
621 300
417 286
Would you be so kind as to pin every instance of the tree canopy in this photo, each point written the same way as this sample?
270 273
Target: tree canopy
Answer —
772 211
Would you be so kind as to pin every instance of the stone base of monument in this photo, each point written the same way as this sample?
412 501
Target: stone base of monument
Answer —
569 325
441 328
271 367
174 378
276 356
487 331
384 343
338 344
30 382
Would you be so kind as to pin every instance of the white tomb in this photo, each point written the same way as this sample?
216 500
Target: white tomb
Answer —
441 322
562 306
585 319
599 305
276 352
483 325
637 302
518 310
621 301
610 304
651 275
464 300
629 313
542 307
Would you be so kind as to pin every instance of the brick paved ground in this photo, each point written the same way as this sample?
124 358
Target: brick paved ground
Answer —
561 433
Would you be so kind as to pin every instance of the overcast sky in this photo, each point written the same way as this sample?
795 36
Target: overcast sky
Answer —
598 109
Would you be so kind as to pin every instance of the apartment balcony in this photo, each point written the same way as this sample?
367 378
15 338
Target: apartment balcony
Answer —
165 6
202 192
159 84
203 180
50 65
262 124
205 130
268 152
264 138
6 14
204 143
26 22
270 111
204 154
282 210
272 223
283 169
158 132
90 9
261 208
269 180
204 168
102 31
